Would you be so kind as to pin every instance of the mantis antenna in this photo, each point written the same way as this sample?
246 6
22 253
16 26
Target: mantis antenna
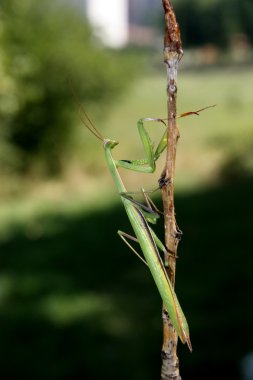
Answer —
84 117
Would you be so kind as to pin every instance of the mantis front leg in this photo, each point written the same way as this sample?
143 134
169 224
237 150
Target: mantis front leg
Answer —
146 165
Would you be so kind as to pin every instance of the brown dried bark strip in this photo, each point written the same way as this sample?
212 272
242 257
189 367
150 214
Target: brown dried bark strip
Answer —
172 38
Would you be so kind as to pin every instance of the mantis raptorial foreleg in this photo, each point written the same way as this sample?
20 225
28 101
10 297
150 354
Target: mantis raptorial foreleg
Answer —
146 165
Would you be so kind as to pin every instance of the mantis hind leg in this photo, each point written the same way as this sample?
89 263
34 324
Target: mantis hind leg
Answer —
124 236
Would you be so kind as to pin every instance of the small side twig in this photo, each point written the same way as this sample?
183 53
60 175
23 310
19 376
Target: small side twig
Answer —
172 54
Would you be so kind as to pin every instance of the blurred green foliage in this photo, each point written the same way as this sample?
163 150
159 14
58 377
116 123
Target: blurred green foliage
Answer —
43 44
77 304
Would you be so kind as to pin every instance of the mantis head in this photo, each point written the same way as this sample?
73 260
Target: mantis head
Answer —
110 143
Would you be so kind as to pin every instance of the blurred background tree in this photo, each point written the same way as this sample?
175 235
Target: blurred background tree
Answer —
43 45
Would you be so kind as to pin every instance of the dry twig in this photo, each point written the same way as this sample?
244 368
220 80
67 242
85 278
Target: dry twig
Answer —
172 54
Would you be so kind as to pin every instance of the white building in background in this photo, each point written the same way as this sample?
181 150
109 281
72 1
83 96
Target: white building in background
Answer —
110 19
119 22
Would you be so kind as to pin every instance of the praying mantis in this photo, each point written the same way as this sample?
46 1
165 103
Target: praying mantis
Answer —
140 215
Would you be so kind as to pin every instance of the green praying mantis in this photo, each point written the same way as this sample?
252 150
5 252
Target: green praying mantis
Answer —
140 216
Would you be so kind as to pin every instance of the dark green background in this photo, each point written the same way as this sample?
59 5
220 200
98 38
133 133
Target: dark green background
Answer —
82 254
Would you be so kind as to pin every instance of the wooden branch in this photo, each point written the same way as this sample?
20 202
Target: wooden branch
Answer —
172 54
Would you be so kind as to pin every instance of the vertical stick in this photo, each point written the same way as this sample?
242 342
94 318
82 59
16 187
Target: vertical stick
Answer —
172 55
